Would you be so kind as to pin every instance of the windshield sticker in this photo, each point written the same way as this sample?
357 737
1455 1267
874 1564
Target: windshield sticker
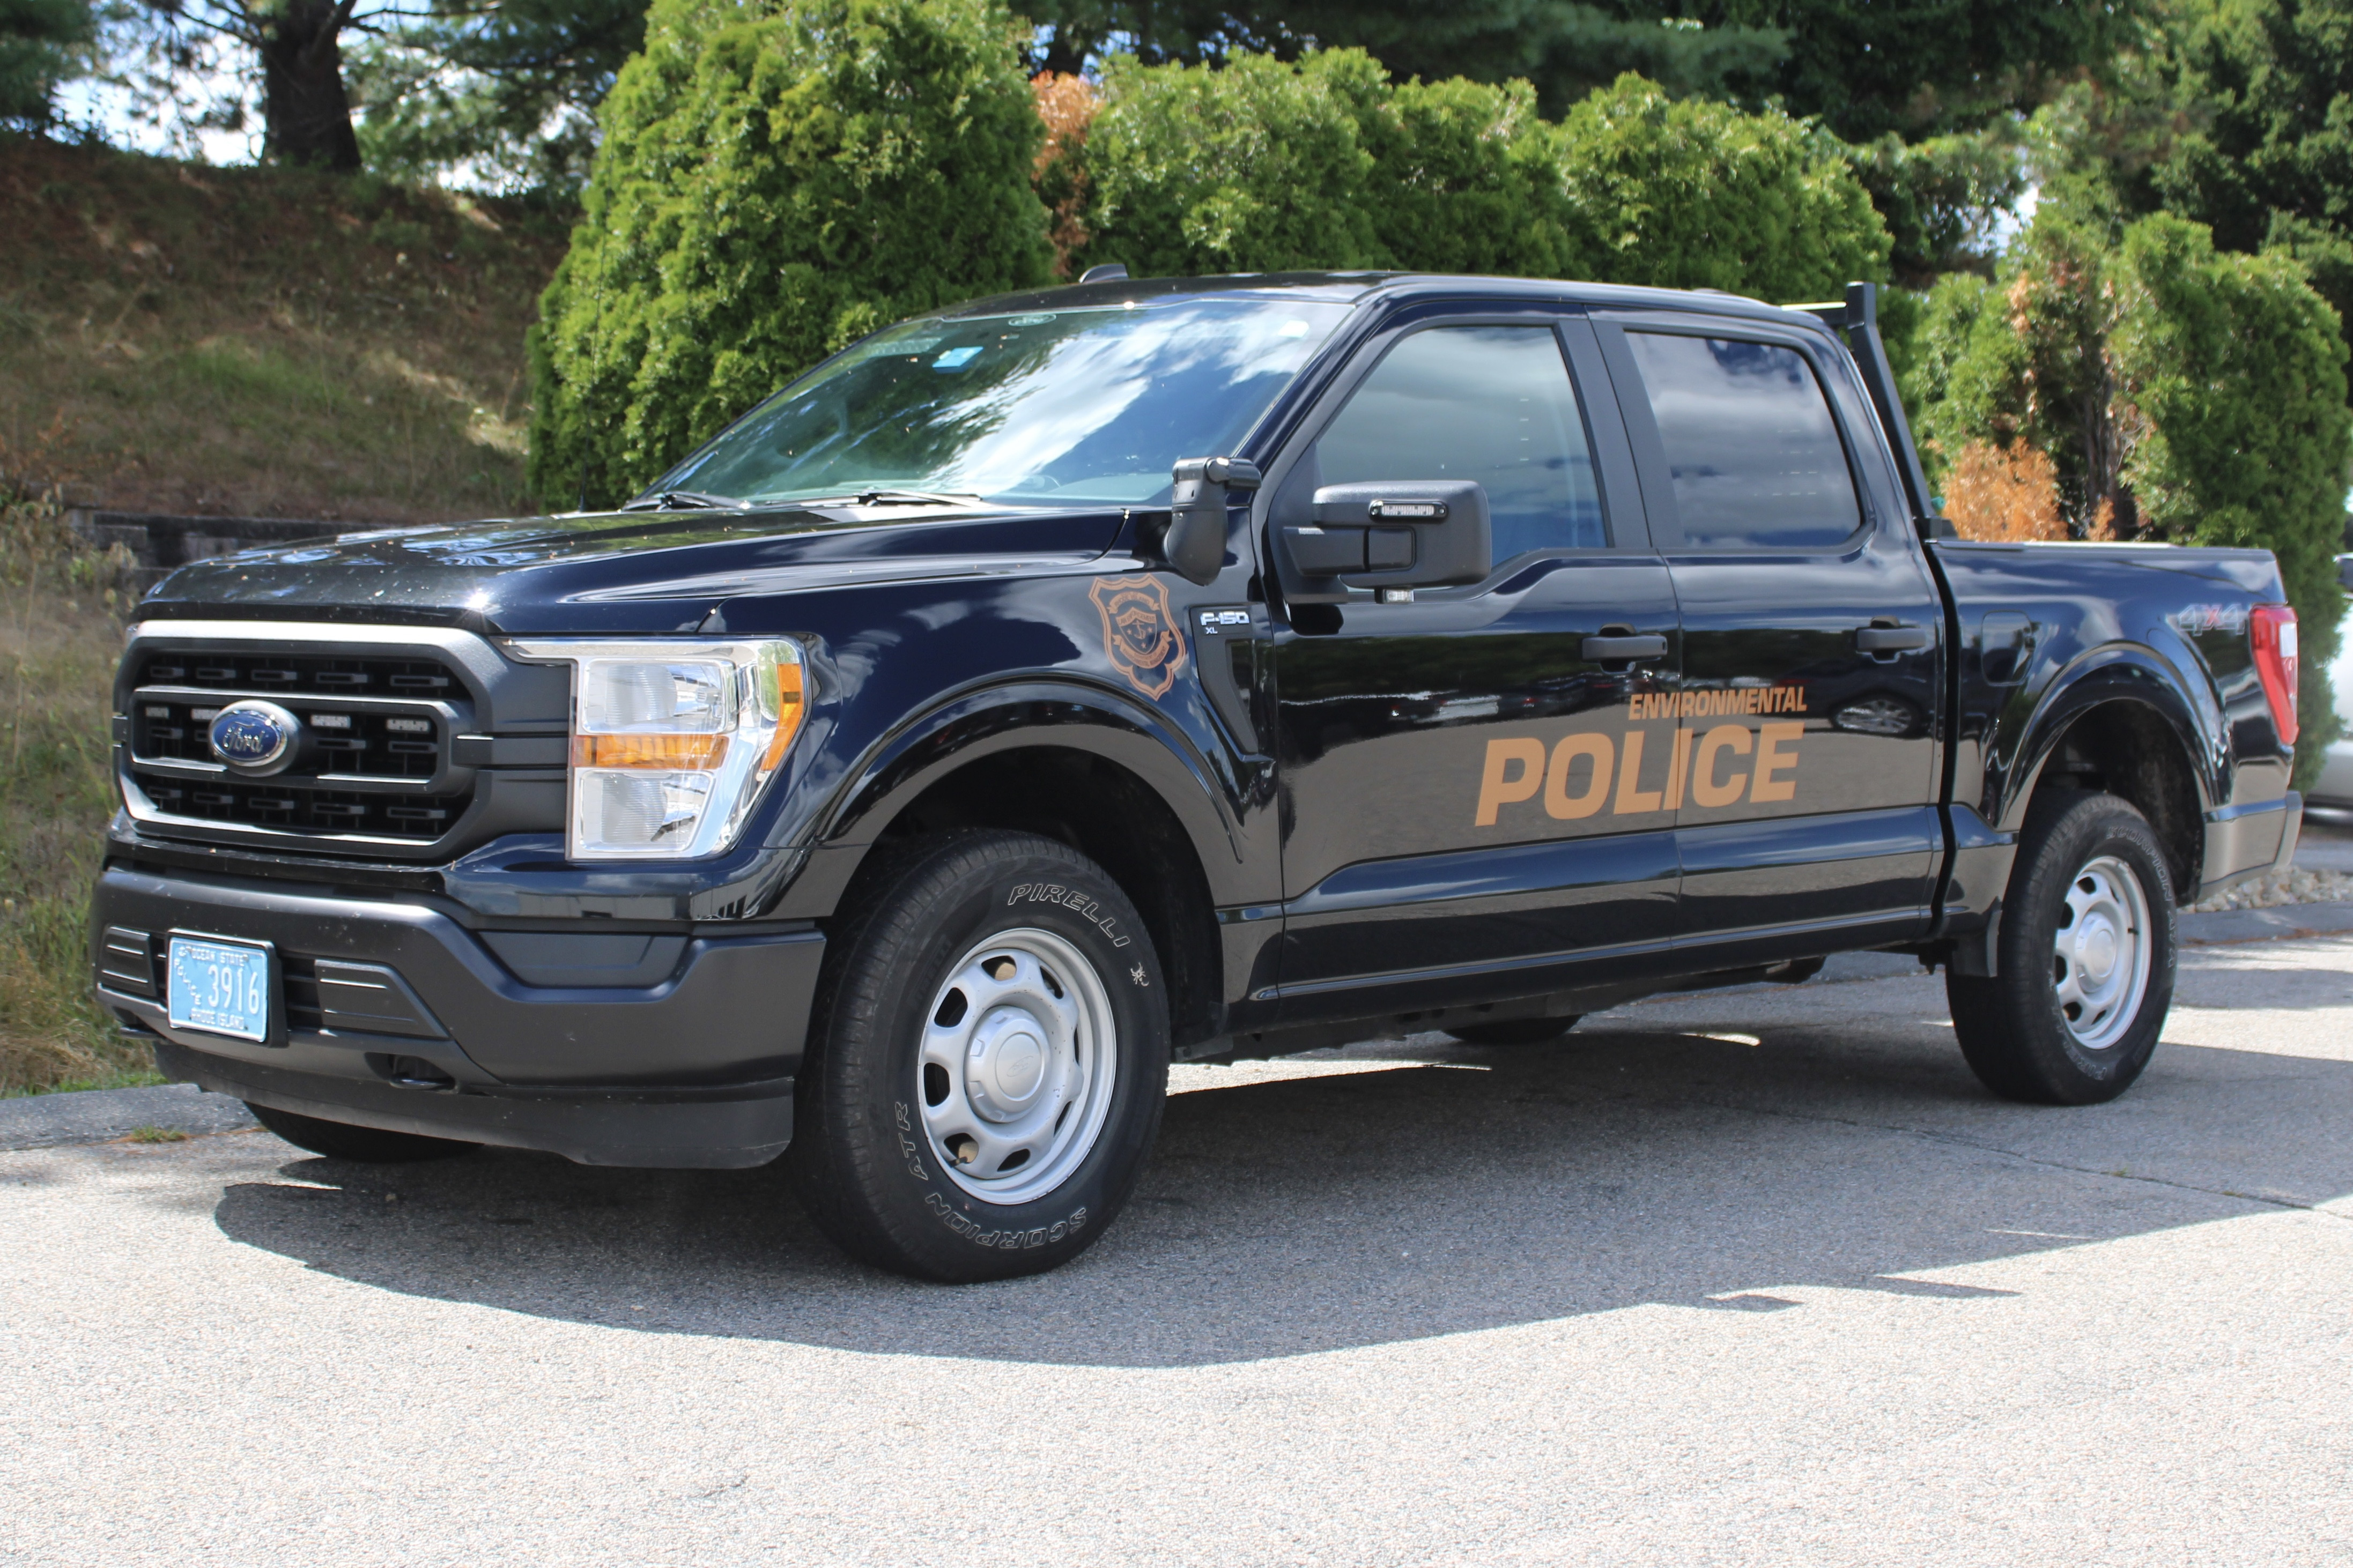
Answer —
1140 635
956 359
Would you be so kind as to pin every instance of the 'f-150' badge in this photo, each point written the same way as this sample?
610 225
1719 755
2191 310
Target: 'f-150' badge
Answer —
1140 634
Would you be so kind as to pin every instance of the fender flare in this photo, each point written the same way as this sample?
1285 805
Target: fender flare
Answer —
2113 673
968 726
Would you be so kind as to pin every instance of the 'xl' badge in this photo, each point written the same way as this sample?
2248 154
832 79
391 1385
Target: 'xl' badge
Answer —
1140 634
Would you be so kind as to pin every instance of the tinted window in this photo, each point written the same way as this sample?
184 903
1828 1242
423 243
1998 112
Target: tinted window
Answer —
1489 403
1756 458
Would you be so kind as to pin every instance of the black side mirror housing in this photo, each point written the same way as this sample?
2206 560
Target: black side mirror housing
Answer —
1416 533
1195 544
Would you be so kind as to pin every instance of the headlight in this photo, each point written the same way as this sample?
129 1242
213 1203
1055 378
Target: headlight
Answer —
671 742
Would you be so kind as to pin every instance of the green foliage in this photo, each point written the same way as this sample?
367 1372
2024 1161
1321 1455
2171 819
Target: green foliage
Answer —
1967 373
1563 48
1866 68
1684 195
2180 392
2238 366
40 41
1258 167
1261 167
504 99
1941 197
777 178
1863 68
2026 360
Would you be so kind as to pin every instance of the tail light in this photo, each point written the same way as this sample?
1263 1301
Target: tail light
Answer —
2271 629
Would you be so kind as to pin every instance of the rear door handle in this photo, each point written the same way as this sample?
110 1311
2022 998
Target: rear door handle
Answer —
1608 649
1890 639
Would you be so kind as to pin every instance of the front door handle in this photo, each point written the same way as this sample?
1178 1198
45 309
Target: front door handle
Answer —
1890 639
1609 649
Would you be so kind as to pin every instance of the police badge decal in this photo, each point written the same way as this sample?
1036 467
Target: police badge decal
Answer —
1140 634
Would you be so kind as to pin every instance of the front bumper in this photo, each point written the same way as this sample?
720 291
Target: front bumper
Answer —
674 1049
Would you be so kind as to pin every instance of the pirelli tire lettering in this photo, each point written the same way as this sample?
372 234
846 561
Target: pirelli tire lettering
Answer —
1582 774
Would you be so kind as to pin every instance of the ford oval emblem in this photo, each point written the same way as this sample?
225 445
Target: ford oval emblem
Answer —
255 737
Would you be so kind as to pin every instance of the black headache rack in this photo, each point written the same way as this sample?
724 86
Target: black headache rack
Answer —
1856 321
416 744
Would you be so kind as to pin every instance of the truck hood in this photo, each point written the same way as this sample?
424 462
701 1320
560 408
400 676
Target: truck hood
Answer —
621 573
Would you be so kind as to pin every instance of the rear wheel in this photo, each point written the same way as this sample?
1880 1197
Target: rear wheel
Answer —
990 1061
2086 954
1516 1031
343 1141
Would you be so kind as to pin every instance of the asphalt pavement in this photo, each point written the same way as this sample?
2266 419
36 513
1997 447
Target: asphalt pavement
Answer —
1754 1276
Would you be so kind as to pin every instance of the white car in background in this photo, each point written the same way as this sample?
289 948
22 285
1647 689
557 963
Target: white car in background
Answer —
2331 799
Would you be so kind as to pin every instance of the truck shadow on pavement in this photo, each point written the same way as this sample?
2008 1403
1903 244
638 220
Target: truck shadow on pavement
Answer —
1441 1189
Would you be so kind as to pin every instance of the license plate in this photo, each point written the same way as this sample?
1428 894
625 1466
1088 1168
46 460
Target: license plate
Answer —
218 986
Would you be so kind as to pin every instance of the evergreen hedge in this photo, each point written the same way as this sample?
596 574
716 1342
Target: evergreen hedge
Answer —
2173 391
1263 165
776 179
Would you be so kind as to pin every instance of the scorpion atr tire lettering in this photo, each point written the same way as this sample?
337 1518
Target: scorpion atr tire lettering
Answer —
1140 634
970 1017
1005 1240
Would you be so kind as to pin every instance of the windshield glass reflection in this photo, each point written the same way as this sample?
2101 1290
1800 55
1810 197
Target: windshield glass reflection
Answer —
1085 406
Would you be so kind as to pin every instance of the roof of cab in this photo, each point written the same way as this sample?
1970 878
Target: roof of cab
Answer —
1356 288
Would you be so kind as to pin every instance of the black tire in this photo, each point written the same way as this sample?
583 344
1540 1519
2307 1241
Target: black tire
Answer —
2013 1028
1516 1031
364 1145
870 1155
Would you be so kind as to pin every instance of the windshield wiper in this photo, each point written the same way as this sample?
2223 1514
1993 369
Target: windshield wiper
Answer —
895 498
687 500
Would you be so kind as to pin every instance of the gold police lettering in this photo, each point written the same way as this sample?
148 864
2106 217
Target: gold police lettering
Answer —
1718 766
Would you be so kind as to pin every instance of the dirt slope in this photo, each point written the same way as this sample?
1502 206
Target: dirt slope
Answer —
262 342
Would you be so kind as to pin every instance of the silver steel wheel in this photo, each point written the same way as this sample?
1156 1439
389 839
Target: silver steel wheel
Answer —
1018 1059
2100 968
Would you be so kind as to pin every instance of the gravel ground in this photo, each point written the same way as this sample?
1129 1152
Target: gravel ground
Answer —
1757 1278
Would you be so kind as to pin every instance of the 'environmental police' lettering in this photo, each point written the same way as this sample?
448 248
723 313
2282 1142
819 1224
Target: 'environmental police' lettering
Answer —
1718 766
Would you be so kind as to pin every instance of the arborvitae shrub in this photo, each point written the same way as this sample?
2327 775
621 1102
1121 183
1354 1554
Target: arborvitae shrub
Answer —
1680 193
1264 165
2237 365
777 178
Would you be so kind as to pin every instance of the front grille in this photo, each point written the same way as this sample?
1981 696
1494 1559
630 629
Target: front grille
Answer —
310 675
374 760
270 803
379 745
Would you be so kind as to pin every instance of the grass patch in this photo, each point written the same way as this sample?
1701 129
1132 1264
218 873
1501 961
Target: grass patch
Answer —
156 1135
266 342
60 635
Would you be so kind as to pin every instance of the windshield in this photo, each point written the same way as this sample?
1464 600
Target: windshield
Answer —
1087 406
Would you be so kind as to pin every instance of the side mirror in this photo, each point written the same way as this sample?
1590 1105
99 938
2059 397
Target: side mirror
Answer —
1195 544
1399 534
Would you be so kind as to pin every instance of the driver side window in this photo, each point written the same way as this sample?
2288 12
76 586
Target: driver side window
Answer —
1493 404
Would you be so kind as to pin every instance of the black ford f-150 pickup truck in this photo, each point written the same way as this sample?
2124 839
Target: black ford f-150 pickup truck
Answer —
1059 685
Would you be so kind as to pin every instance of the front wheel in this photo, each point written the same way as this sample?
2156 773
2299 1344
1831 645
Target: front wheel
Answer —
2085 955
989 1060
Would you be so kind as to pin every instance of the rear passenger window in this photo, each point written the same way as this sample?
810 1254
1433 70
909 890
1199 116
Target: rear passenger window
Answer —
1489 403
1755 455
